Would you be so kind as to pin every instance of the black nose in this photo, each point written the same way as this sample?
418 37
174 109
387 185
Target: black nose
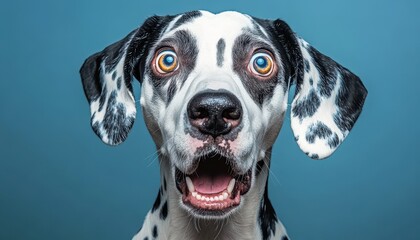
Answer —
214 113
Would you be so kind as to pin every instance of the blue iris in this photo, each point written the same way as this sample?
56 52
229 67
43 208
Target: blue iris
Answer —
168 60
261 62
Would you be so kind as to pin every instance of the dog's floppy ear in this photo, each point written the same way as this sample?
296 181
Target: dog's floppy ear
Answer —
328 97
107 76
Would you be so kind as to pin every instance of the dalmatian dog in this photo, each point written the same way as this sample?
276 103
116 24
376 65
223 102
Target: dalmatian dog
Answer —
214 94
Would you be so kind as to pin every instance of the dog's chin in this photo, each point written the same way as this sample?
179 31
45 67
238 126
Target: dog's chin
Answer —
214 188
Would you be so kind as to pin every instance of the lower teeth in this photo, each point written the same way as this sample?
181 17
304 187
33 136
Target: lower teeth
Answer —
221 197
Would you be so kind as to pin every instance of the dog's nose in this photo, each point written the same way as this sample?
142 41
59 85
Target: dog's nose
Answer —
214 113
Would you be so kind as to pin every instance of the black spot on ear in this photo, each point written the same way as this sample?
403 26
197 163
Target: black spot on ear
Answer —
307 66
322 131
164 211
318 130
334 141
119 83
327 69
155 231
307 106
157 202
115 123
95 126
102 98
350 99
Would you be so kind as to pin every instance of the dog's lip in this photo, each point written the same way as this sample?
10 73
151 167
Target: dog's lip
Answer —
222 191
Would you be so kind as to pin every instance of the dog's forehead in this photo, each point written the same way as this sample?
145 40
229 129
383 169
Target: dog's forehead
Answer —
211 27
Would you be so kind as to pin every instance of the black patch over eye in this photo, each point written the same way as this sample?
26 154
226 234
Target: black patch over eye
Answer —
174 59
254 63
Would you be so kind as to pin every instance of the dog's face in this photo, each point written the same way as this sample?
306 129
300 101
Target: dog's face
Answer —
214 94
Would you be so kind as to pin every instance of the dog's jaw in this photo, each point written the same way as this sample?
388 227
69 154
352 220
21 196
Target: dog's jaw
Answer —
244 222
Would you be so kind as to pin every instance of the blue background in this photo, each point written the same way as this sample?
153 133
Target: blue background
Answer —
59 181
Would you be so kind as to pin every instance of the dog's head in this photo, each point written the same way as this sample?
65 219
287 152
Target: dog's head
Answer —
214 94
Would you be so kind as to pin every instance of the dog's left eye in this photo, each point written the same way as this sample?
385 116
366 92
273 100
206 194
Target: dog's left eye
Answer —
166 61
261 64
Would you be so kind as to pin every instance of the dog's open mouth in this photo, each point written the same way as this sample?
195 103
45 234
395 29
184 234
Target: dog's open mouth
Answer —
214 187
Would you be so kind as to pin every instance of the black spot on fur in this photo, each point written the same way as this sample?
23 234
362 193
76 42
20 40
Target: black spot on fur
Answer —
284 238
102 98
350 99
115 123
114 75
155 231
164 183
171 91
220 51
95 125
334 141
257 27
259 167
318 130
327 69
115 53
267 217
146 238
311 81
119 83
186 17
307 66
315 156
306 107
91 77
157 202
164 211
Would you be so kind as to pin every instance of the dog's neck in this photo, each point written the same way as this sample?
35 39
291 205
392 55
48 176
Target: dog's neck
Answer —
255 219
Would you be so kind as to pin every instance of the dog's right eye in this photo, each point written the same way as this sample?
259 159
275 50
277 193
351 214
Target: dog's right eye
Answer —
261 64
166 62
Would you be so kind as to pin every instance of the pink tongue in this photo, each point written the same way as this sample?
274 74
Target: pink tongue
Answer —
210 184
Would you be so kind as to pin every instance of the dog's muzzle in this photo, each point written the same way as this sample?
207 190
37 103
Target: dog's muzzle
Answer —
214 183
